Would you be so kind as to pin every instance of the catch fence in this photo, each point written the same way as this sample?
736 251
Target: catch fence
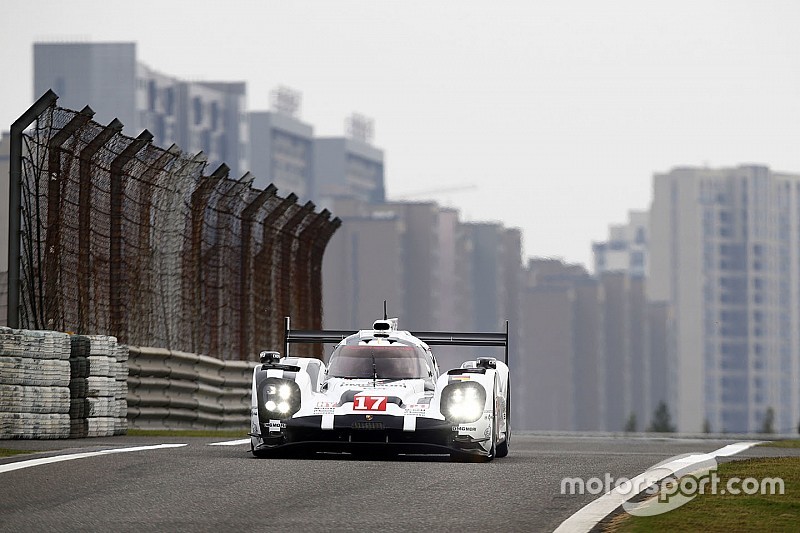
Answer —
120 237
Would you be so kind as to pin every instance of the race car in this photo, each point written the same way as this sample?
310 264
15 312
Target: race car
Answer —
382 392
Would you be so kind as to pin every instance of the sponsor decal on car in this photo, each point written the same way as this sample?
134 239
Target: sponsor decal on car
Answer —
372 384
325 408
464 428
464 377
275 425
417 409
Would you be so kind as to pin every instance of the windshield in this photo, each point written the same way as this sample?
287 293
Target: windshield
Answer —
391 362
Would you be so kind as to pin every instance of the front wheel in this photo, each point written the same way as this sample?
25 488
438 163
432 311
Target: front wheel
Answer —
502 448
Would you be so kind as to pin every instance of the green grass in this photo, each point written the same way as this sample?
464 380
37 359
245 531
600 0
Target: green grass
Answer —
727 512
8 452
215 433
788 443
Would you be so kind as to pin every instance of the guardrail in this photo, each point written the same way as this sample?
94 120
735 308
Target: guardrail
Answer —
178 390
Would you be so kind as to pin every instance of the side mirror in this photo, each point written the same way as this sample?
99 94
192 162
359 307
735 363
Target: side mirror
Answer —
267 357
487 362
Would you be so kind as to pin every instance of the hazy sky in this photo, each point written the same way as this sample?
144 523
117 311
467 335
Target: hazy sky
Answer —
558 112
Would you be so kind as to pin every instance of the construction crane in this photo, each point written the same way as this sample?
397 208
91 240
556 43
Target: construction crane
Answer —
434 192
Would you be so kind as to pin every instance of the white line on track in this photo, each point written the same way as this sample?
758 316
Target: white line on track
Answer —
592 513
230 442
69 457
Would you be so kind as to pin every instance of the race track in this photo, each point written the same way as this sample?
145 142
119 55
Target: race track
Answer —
199 487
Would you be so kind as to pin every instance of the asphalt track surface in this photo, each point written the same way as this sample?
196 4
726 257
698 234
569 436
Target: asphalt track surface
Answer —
199 487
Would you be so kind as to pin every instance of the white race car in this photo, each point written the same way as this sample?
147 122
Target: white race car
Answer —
382 392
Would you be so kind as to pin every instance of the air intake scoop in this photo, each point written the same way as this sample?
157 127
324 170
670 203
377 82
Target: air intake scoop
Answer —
389 324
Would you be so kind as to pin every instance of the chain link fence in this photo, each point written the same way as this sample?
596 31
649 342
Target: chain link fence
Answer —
123 238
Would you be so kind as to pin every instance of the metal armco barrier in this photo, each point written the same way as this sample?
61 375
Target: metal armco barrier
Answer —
178 390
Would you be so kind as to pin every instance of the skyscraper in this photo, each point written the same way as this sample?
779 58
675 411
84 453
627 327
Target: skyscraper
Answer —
349 166
282 146
725 252
207 116
626 248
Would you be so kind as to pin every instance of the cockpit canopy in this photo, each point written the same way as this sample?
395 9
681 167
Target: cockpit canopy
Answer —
383 361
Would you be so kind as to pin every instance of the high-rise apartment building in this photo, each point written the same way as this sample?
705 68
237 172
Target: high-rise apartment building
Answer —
363 266
626 247
561 375
282 146
347 167
197 116
725 252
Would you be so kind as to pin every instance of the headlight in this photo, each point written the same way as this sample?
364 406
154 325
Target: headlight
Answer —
463 402
280 397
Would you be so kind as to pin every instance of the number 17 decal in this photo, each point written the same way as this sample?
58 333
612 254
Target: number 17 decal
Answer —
369 403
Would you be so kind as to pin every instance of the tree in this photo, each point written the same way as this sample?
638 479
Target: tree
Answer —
767 426
630 425
662 421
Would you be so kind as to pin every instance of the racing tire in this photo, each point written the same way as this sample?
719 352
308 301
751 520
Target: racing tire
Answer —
502 448
495 428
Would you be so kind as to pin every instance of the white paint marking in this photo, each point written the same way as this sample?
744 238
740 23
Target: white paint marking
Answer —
592 513
230 442
69 457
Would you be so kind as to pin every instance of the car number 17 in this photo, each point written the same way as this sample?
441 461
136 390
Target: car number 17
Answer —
369 403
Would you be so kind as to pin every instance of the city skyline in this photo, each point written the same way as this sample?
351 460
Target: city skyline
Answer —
559 114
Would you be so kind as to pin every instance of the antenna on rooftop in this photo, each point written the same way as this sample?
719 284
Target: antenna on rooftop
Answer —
385 315
360 127
286 101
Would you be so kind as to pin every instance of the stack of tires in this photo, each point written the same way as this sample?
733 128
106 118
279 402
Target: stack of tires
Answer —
98 389
34 384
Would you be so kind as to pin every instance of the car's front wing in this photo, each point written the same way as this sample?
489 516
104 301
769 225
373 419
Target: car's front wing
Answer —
364 433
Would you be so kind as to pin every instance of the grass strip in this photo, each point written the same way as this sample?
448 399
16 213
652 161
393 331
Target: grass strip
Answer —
728 512
214 433
787 443
8 452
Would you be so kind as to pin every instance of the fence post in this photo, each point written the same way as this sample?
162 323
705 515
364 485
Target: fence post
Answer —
118 276
286 291
52 309
15 199
247 269
265 264
85 219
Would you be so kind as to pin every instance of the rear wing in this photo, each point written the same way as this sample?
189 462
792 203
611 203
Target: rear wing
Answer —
432 338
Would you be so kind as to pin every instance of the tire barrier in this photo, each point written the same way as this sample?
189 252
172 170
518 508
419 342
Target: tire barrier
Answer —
98 386
56 386
177 390
34 384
